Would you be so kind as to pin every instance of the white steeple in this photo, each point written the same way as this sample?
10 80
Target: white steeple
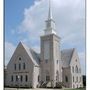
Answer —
50 11
50 23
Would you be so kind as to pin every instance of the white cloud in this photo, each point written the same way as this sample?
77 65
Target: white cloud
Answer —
69 16
9 50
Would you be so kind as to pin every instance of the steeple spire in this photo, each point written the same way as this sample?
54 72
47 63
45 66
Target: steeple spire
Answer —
50 23
50 11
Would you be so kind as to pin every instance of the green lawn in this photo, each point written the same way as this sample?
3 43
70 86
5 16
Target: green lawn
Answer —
76 89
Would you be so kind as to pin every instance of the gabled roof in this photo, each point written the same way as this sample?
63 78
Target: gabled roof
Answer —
33 55
66 56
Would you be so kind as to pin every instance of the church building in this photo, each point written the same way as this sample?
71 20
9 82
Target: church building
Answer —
52 67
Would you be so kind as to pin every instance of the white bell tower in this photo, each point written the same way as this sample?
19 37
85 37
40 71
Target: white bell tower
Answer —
50 53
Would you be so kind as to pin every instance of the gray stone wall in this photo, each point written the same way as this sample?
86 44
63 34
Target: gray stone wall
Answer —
66 74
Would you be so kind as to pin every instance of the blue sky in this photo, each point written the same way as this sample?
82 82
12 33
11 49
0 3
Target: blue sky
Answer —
25 21
13 16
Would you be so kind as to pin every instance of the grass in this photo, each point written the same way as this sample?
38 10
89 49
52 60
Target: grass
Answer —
76 89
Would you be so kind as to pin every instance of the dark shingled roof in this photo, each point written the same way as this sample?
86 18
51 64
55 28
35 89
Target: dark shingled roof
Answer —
35 55
66 56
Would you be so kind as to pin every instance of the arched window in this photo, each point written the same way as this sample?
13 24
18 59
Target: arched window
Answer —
66 78
73 69
76 69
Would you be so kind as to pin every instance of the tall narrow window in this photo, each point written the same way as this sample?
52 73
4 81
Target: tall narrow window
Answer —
76 69
21 78
77 79
24 66
19 66
80 79
26 78
66 78
12 78
38 78
79 70
57 61
73 78
16 78
73 69
14 66
76 60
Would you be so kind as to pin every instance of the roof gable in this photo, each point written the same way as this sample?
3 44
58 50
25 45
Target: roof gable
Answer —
75 58
31 55
66 56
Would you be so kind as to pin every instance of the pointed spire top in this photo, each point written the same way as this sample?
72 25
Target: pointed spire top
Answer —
50 11
50 23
